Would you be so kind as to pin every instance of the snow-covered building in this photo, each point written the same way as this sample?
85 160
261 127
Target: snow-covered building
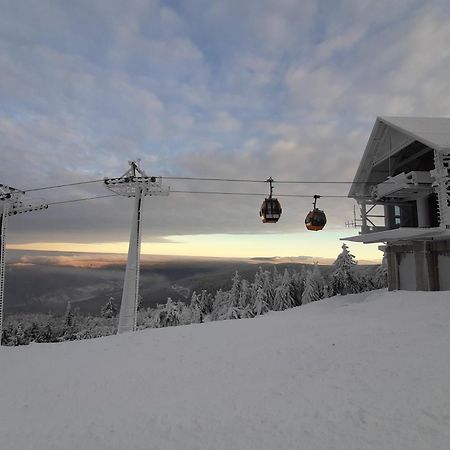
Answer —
405 173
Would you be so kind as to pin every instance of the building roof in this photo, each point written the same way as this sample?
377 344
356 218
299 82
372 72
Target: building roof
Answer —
432 131
401 234
390 135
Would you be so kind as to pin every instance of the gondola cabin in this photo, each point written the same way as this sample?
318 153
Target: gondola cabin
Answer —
270 210
316 219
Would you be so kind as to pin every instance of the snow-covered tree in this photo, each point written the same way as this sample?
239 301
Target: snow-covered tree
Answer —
297 285
196 308
7 334
380 279
220 305
234 309
277 278
245 300
21 337
313 290
326 292
170 314
235 291
68 330
109 309
268 289
48 333
33 331
260 305
186 314
283 294
344 279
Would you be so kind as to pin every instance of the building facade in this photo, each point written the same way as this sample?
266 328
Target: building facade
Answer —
402 186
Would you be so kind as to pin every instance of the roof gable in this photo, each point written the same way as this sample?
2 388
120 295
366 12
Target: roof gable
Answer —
392 134
432 131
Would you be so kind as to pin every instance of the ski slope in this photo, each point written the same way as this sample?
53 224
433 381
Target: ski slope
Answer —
366 371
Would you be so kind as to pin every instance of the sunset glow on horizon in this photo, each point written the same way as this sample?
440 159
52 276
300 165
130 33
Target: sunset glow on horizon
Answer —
224 245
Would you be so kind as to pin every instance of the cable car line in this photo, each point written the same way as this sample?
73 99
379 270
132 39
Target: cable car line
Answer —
260 194
63 185
243 180
232 180
81 199
229 180
201 192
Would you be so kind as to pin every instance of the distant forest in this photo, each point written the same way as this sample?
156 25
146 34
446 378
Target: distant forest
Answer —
270 290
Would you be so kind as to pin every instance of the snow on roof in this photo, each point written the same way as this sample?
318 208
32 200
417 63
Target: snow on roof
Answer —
400 234
432 131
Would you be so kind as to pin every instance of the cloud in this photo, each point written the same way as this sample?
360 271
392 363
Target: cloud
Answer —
218 89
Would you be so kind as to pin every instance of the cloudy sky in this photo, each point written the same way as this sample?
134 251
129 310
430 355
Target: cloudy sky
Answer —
281 88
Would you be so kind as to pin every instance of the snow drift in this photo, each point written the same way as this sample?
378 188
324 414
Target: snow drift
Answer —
364 371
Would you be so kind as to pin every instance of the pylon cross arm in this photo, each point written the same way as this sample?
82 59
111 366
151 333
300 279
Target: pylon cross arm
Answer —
128 186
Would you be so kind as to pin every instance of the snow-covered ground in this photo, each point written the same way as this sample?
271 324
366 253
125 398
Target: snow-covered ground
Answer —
366 371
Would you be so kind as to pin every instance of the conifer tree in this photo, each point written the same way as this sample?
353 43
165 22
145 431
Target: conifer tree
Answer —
380 279
7 335
344 279
298 285
48 333
196 308
69 317
283 295
231 309
109 309
206 302
220 304
245 301
234 293
277 278
33 332
260 305
268 289
21 336
170 314
313 290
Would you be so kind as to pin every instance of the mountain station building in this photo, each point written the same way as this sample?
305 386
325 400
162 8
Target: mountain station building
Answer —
405 173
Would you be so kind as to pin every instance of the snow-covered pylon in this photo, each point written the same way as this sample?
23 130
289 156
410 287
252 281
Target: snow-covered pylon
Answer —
12 202
133 183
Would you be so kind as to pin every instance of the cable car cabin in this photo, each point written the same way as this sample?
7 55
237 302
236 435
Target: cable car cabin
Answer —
315 220
270 210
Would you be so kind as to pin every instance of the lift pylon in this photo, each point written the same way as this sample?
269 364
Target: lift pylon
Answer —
12 202
134 183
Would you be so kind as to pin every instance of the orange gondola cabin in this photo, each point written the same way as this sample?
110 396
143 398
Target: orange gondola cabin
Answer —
315 219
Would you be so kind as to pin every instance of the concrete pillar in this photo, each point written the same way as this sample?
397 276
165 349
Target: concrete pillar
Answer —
364 226
427 276
423 212
392 264
389 217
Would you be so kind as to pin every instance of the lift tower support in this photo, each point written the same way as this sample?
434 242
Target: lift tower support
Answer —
12 202
133 183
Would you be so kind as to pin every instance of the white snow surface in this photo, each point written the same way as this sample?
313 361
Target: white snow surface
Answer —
365 371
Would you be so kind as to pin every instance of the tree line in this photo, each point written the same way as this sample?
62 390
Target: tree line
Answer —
270 290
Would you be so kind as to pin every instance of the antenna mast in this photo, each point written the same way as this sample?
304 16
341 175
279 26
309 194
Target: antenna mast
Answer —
12 202
134 183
